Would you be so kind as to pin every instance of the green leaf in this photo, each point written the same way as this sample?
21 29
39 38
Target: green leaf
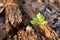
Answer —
34 21
44 22
40 17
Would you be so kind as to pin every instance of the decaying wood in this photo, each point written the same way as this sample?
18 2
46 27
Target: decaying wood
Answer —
15 37
27 35
40 1
13 16
49 33
57 2
53 6
2 31
47 30
29 11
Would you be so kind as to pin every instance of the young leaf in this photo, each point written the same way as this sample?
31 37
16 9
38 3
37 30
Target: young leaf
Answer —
34 21
42 19
39 19
39 16
44 22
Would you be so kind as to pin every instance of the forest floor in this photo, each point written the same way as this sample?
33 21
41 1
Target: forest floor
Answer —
15 17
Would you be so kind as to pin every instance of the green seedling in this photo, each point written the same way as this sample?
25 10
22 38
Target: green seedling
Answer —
39 19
